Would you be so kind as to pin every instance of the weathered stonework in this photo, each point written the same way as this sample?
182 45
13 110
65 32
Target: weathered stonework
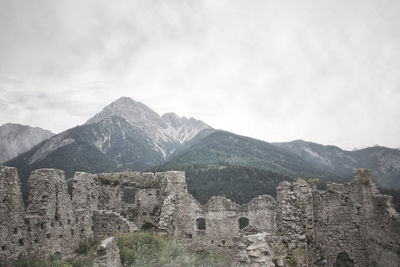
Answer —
107 223
50 218
355 224
12 211
346 225
107 254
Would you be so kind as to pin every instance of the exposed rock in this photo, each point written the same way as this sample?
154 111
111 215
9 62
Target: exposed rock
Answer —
165 131
107 254
107 223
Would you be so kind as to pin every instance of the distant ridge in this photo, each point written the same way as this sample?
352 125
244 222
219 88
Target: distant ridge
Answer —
16 139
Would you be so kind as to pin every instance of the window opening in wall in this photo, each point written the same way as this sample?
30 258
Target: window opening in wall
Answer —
212 241
72 232
36 241
21 242
15 230
60 236
189 236
3 248
243 222
223 242
69 221
48 235
128 195
343 260
148 227
201 224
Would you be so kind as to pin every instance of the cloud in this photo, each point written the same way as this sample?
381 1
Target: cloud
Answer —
325 71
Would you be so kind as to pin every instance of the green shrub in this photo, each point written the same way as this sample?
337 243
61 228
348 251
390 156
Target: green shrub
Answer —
313 181
109 178
295 258
365 180
87 246
299 179
145 249
52 261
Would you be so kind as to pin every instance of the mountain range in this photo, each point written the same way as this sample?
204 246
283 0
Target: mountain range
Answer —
16 139
129 135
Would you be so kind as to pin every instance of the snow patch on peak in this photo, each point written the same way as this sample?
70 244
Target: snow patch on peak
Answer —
165 131
182 129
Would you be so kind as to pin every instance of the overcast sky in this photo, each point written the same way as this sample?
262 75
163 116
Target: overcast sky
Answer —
323 71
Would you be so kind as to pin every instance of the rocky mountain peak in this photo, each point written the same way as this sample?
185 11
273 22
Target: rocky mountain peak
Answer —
165 131
172 119
134 112
177 122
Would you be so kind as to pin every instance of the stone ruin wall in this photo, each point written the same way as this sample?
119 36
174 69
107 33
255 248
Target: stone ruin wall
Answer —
354 224
346 224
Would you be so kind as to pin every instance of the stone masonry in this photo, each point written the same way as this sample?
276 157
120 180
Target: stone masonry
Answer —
348 224
107 254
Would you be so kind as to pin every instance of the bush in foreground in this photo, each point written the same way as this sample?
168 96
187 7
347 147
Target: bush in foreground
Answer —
145 249
136 249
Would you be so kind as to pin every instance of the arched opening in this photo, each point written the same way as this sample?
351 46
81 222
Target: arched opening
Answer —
243 222
148 227
201 224
343 260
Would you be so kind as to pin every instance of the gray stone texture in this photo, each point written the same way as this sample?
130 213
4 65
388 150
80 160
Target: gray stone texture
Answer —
107 254
345 225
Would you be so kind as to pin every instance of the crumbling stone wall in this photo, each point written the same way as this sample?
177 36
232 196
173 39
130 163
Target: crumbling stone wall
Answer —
346 225
353 223
50 216
260 249
107 254
46 226
221 230
107 223
12 226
